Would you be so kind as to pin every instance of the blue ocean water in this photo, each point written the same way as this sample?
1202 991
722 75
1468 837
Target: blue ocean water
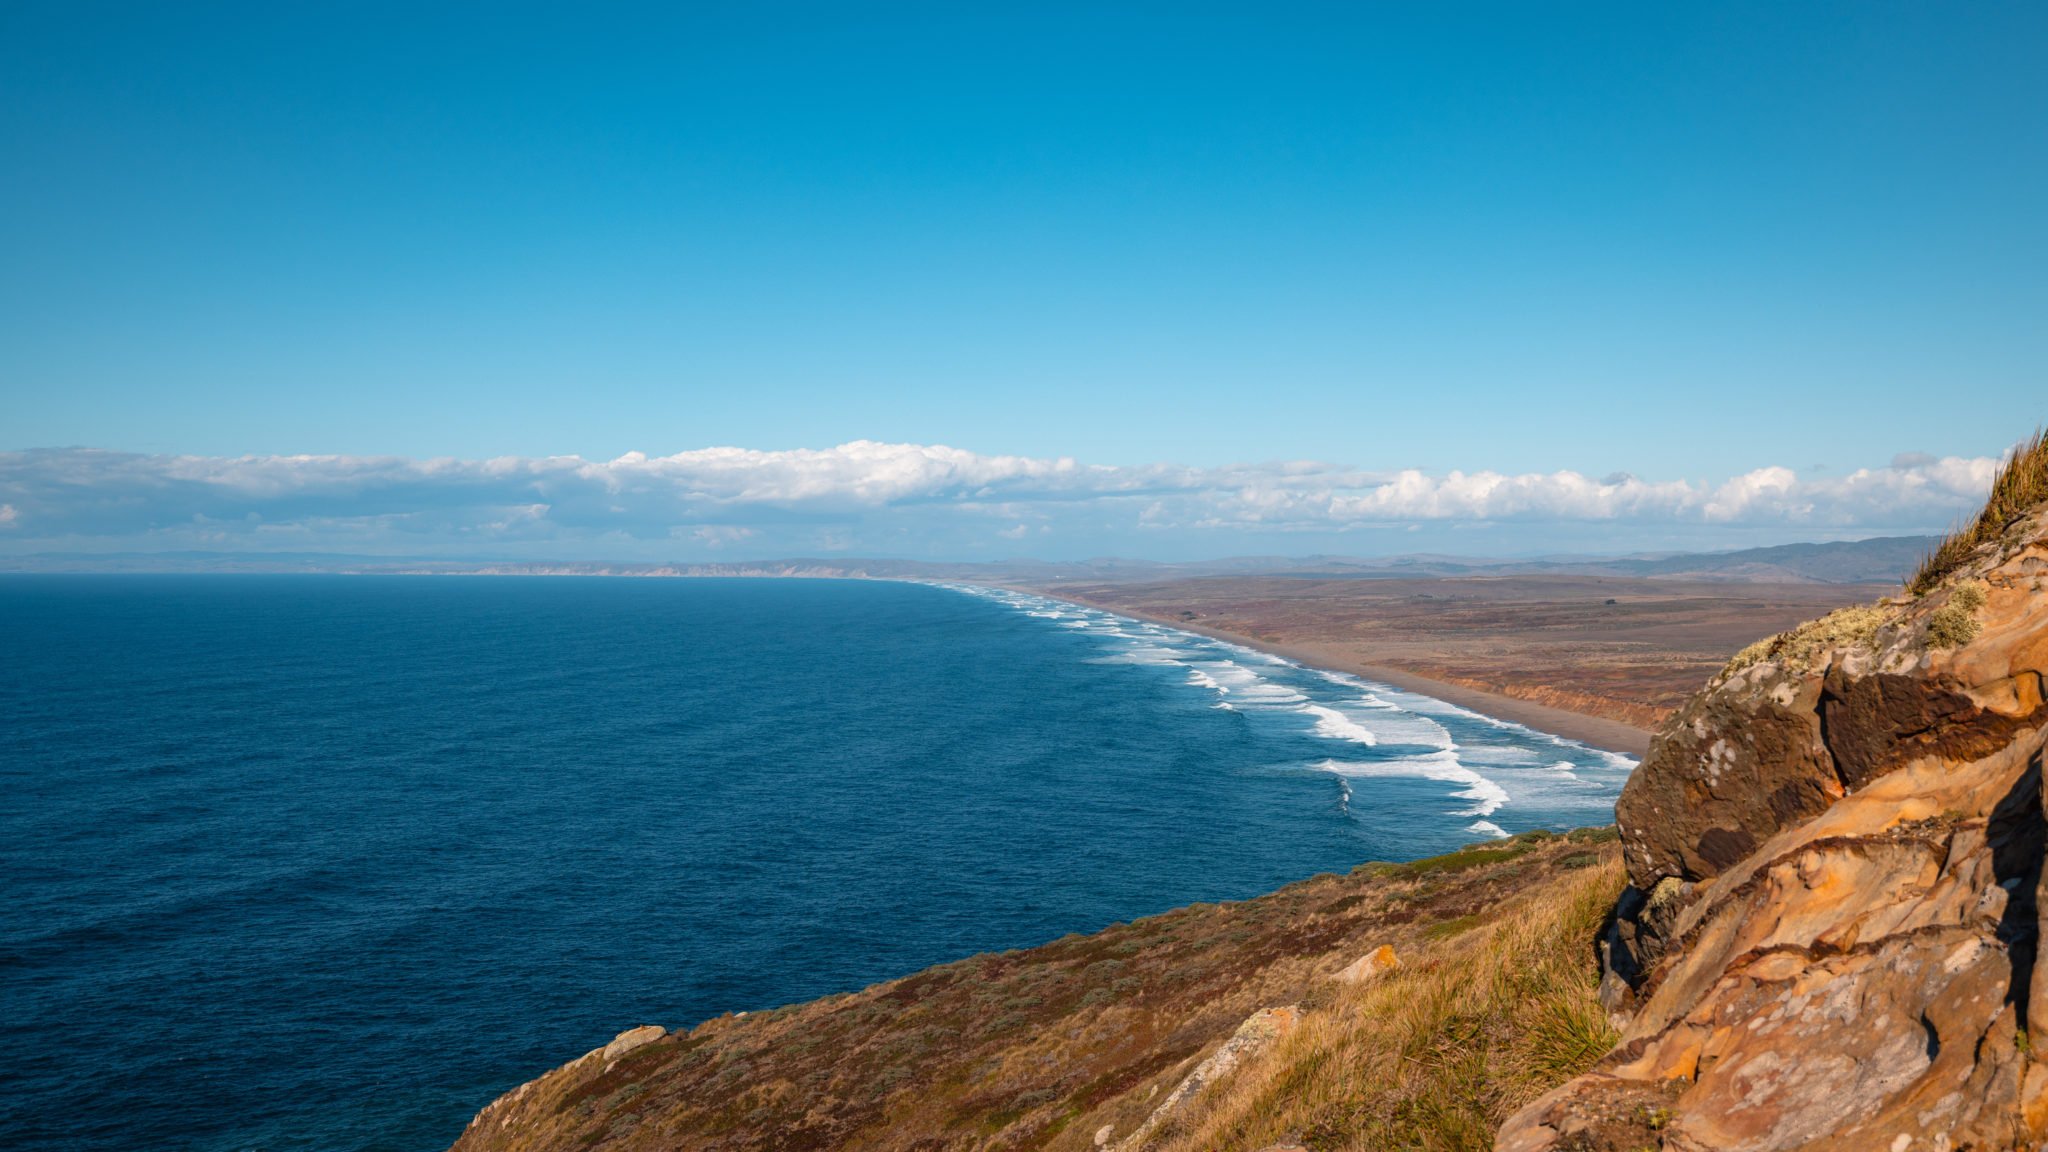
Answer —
329 862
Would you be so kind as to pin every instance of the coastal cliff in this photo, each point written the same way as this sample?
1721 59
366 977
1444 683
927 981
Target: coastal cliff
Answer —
1835 857
1815 927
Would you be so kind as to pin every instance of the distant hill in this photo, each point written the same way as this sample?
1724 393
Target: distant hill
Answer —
1881 560
1876 561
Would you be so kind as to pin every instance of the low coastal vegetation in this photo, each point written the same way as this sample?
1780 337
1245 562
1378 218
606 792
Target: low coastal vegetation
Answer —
1954 624
1482 998
1436 1054
1951 625
1852 627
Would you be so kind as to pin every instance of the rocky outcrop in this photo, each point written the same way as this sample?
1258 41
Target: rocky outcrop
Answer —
632 1038
1835 853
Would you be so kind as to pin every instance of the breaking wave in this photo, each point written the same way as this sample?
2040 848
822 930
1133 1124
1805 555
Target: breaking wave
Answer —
1358 730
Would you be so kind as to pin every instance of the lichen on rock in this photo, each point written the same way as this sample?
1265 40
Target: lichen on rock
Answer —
1374 963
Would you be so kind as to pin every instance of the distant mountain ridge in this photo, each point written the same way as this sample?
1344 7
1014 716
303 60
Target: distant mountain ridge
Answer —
1880 560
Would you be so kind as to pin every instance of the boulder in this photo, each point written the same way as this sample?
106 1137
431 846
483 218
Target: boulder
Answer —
1369 966
633 1038
1734 766
1255 1035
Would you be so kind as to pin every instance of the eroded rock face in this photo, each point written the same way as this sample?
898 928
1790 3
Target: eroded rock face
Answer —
1832 940
1734 764
1774 744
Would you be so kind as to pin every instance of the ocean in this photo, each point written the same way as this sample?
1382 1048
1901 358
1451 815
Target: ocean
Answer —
328 863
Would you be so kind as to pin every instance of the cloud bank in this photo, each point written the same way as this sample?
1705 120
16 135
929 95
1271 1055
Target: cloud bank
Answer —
910 499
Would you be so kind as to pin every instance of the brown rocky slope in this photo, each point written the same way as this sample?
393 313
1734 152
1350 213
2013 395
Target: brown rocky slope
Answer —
1835 859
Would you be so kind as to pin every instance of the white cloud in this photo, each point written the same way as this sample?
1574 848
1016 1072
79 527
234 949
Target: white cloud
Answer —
867 494
720 535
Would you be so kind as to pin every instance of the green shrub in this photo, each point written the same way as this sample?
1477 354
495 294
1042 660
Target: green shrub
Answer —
1954 624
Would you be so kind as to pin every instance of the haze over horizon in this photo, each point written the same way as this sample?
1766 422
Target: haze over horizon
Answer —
641 283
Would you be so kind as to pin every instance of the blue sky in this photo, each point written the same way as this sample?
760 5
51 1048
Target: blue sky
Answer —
1684 243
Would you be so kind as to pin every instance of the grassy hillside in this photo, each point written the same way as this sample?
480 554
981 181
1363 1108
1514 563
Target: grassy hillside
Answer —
1437 1054
1045 1047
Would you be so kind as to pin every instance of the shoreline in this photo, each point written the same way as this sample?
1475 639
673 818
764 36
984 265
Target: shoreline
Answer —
1593 731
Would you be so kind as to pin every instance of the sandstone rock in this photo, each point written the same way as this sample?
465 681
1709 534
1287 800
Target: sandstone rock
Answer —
1772 744
1837 859
1256 1034
1730 769
1372 964
633 1038
1859 978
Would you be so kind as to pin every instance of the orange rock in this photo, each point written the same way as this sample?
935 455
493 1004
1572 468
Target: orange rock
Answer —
1371 965
1848 968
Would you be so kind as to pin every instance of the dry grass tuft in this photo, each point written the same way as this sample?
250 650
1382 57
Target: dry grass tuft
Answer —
1436 1055
2021 486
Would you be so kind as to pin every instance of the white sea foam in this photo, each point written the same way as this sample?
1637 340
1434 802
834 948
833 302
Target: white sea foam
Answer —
1335 725
1498 755
1229 675
1269 694
1142 654
1486 795
1487 828
1389 724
